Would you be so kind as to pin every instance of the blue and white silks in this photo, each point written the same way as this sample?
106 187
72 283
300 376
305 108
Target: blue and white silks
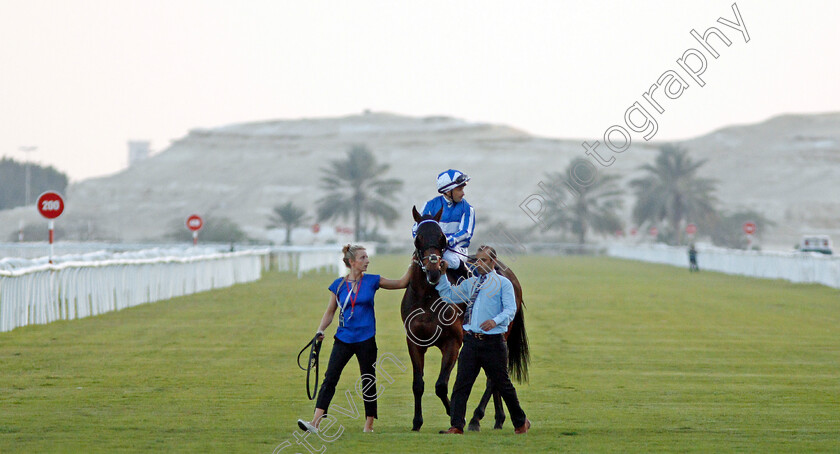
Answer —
457 223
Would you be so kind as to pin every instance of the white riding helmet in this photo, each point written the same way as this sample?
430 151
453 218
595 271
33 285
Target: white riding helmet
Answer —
450 180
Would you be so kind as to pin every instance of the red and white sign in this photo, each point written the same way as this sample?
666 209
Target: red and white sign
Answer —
634 231
691 229
316 228
344 230
653 231
195 223
50 205
619 233
749 227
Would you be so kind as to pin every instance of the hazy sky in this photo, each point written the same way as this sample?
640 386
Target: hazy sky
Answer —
80 78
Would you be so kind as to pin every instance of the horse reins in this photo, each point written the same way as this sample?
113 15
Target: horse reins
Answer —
470 257
447 248
314 352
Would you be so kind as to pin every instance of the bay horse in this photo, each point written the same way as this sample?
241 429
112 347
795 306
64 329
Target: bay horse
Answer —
431 322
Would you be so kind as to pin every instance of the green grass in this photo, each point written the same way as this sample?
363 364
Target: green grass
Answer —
627 357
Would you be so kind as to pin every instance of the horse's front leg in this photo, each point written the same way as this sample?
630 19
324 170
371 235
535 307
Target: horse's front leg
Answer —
449 353
417 355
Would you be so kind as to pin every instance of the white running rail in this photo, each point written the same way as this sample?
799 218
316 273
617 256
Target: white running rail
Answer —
36 249
805 267
300 259
75 289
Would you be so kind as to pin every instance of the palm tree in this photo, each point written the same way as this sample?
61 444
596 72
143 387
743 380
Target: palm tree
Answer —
671 191
356 188
593 206
287 216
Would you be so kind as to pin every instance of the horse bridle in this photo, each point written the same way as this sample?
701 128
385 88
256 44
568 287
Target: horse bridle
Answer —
419 258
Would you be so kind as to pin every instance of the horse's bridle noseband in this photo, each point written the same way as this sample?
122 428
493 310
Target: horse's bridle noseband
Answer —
419 258
418 254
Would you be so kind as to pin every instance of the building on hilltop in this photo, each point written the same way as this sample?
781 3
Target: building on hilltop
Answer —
138 150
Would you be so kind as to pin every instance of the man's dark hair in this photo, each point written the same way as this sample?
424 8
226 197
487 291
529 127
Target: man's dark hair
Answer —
489 250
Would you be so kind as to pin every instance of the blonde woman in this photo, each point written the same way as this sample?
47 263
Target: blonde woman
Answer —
352 295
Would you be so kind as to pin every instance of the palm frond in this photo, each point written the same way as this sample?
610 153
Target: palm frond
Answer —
334 206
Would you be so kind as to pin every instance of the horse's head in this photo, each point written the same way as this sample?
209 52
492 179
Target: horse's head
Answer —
429 244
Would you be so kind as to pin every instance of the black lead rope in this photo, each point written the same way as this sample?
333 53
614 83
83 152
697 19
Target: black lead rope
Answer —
314 347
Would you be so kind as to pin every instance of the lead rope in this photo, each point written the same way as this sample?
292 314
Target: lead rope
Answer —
314 352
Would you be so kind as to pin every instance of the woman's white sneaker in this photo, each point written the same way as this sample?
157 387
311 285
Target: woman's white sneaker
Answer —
304 425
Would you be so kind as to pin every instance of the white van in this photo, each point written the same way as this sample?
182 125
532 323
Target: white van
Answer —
816 243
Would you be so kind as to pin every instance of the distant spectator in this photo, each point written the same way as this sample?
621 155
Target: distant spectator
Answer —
692 259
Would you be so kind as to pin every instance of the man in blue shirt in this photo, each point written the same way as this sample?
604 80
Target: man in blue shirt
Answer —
458 218
491 306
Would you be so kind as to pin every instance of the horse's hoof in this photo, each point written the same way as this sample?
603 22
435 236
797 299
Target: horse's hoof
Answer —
474 426
498 425
416 429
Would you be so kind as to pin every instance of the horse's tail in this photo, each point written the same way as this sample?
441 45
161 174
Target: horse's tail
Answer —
518 354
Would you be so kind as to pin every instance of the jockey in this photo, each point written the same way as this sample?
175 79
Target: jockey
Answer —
458 218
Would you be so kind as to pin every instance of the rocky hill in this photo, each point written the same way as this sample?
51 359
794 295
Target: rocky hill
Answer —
787 168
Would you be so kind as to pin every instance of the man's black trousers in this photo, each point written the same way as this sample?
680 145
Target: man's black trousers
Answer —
490 354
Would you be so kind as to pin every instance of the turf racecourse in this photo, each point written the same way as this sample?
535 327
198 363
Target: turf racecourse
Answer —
627 357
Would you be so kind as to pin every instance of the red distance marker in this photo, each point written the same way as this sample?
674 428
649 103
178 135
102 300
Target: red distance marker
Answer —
50 205
195 223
